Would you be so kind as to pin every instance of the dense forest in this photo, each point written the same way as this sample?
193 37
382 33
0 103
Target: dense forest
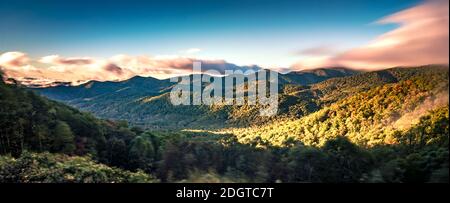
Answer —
384 126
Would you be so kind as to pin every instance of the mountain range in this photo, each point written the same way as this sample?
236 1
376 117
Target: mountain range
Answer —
145 101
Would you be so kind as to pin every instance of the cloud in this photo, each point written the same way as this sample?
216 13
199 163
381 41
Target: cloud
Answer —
55 59
174 64
191 51
13 59
55 69
312 62
318 51
113 68
421 38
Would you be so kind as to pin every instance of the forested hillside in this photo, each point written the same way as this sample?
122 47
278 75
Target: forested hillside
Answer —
144 101
384 126
367 114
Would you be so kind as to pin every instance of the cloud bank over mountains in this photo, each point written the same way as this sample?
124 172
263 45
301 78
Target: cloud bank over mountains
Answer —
422 37
120 67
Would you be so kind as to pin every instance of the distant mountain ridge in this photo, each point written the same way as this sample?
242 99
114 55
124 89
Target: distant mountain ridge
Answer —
152 85
129 99
145 101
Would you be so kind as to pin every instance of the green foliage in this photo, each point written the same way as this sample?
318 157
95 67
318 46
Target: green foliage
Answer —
28 121
141 153
367 118
432 129
57 168
348 162
64 138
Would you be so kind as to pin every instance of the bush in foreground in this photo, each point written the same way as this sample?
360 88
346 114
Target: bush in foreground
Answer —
59 168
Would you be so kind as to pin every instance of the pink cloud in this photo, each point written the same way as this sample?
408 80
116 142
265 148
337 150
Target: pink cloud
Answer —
13 59
421 38
75 69
55 59
113 68
318 50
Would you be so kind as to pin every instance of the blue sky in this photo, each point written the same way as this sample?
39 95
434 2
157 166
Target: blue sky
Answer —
263 32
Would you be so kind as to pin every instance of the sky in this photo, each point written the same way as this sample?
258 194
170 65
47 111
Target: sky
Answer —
114 40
